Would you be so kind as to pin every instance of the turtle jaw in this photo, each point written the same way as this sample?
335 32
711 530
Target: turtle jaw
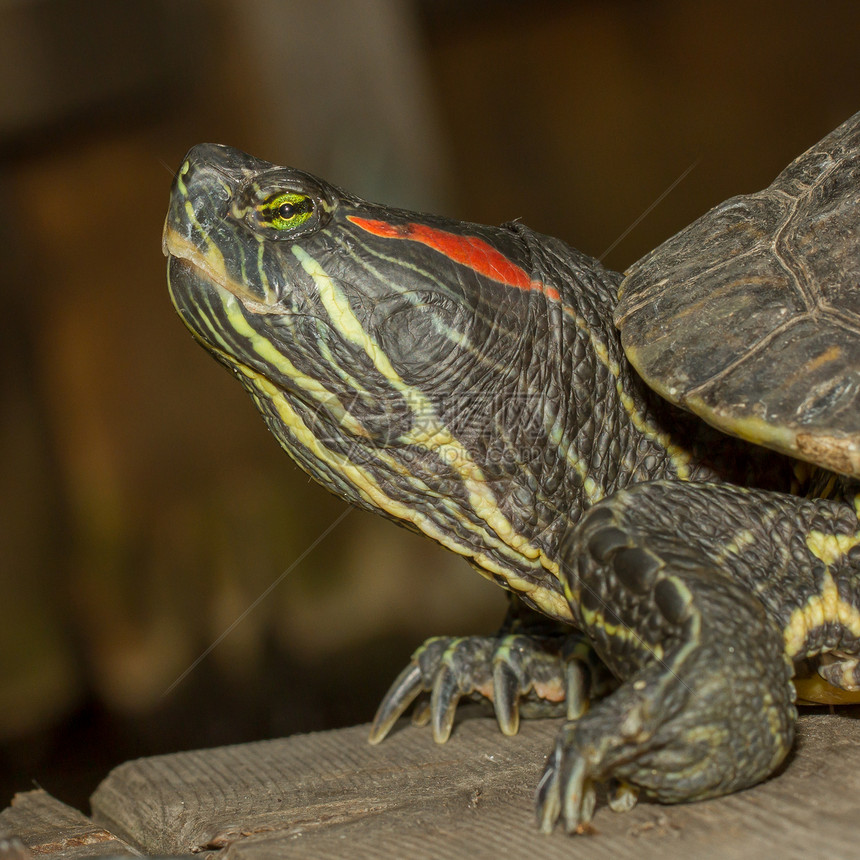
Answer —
200 299
209 267
188 286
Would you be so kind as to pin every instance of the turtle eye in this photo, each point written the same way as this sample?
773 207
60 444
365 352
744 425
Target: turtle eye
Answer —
286 211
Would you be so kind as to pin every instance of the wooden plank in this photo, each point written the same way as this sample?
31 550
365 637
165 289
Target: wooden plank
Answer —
320 793
38 824
14 849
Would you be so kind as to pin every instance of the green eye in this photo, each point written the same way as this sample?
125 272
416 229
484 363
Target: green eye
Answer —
286 211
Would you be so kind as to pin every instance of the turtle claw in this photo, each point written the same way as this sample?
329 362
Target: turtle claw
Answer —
507 687
444 698
401 694
447 668
576 686
421 711
547 796
578 795
519 674
621 796
566 789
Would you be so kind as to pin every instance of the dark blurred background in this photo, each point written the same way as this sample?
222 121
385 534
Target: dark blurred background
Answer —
144 506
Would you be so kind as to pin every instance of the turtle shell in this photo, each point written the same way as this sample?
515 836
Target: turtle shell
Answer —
750 317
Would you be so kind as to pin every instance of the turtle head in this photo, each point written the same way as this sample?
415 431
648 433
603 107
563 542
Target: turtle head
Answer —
386 350
233 219
362 313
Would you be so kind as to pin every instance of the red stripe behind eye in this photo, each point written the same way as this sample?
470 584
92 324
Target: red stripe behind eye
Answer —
469 251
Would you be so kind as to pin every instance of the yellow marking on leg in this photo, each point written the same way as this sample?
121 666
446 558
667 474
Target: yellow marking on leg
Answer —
826 607
180 183
742 540
595 618
830 547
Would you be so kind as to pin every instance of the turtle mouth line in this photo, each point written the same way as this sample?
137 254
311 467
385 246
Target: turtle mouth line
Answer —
175 246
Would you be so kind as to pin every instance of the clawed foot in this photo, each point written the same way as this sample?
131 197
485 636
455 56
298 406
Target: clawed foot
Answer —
566 791
701 721
519 674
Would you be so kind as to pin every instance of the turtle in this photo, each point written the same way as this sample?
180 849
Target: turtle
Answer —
660 467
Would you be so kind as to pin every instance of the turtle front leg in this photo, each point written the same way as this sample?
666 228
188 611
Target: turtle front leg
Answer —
655 576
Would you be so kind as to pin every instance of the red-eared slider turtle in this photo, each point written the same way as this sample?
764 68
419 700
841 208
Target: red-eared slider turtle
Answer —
471 383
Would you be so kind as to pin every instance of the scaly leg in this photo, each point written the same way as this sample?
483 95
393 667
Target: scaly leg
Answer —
699 597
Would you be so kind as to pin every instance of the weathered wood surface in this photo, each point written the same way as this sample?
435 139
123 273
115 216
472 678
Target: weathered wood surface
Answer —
332 795
37 824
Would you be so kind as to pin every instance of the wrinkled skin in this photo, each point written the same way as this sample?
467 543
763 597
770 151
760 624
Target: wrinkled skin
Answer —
467 382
